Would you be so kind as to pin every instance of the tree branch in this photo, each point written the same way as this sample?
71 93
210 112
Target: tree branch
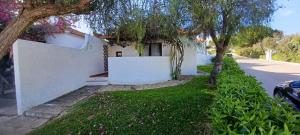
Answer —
52 9
227 39
29 15
213 35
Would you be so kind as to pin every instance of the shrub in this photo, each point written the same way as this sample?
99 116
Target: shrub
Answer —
250 52
243 107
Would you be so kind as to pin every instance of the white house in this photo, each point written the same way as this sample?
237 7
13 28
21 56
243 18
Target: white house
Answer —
71 60
125 66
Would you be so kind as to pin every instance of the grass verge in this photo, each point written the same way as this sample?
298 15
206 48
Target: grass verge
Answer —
206 68
183 109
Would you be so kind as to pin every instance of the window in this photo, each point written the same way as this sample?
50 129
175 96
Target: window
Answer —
119 54
295 84
154 49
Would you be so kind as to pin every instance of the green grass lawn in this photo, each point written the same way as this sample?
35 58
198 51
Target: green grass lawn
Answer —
206 68
183 109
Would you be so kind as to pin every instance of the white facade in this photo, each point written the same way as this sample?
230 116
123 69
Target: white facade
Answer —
44 72
189 65
66 39
128 51
138 70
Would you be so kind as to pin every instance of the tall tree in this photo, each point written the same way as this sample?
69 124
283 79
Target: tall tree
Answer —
30 11
222 18
141 21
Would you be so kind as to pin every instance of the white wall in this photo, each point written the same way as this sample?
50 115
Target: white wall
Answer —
44 72
138 70
73 41
66 39
128 51
203 59
166 49
268 55
189 64
96 56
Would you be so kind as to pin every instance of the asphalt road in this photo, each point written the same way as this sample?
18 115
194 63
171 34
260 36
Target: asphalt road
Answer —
269 73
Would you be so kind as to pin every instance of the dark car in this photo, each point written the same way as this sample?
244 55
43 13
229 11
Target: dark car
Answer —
289 91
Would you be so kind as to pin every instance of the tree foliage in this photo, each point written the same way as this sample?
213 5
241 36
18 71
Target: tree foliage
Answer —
288 49
285 48
10 11
141 20
30 11
36 32
248 36
128 18
221 19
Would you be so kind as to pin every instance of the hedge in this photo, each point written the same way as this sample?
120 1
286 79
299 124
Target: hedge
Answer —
243 107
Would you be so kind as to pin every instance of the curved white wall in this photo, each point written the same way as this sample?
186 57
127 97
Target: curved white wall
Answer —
138 70
44 72
66 40
95 55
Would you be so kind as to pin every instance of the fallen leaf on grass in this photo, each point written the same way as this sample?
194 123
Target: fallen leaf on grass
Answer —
91 117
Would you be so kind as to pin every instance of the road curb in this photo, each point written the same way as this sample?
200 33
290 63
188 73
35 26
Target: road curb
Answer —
286 62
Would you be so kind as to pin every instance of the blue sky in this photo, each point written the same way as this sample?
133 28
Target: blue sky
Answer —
287 18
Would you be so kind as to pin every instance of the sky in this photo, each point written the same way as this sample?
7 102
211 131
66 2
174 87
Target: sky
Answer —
83 26
287 18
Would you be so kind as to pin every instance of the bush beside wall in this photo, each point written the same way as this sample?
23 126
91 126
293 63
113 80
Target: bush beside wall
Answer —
243 107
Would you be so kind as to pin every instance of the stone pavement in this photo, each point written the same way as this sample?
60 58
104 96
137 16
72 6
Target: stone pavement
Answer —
11 124
8 105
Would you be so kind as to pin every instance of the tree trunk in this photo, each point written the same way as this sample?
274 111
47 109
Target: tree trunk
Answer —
29 15
177 53
11 33
221 49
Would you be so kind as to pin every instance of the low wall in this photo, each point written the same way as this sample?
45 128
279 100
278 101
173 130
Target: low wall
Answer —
44 72
95 55
138 70
189 63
